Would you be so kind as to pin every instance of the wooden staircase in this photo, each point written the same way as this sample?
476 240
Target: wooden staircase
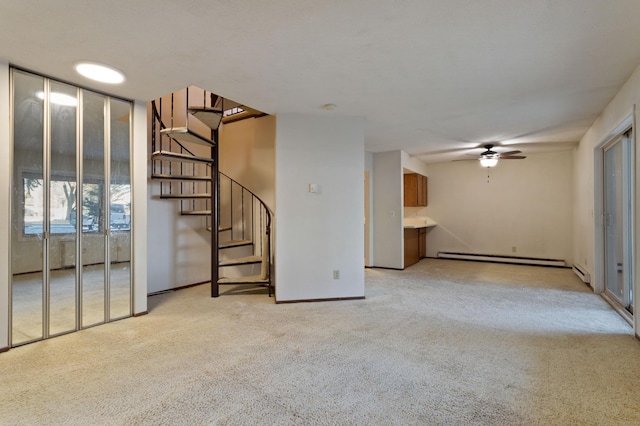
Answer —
184 139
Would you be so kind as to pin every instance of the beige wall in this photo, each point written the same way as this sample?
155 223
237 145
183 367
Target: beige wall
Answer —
526 204
247 154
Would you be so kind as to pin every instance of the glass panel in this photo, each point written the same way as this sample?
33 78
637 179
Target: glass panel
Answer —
62 205
92 219
120 212
614 249
27 285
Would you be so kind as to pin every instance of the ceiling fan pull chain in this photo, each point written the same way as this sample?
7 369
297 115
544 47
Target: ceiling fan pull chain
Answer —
488 170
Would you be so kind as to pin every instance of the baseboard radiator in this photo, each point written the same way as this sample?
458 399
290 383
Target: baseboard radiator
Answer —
581 273
502 259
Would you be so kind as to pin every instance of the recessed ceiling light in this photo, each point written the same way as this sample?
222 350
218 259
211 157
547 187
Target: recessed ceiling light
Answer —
99 72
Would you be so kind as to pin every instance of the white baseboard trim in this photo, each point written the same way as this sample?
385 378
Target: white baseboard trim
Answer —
581 273
502 259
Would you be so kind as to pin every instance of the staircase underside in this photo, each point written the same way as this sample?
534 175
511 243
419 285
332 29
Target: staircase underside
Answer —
209 116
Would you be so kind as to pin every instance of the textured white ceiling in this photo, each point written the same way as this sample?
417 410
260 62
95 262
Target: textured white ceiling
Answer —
429 76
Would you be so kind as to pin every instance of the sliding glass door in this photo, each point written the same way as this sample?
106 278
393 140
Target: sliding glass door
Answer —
618 223
70 254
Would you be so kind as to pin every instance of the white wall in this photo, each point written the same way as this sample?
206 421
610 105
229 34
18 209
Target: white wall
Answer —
526 204
388 193
139 206
5 200
585 206
322 232
414 165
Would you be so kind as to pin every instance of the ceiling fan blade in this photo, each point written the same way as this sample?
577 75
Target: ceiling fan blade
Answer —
513 157
467 159
508 153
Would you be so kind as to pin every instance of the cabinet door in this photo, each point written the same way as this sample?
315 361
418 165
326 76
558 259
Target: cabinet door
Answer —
411 246
420 189
424 191
422 243
411 190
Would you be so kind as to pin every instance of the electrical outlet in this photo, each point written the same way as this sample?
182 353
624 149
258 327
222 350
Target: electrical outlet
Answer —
336 274
513 249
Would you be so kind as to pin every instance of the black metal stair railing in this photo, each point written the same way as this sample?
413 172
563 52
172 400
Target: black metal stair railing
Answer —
202 190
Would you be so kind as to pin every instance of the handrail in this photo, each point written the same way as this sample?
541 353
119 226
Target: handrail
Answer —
253 195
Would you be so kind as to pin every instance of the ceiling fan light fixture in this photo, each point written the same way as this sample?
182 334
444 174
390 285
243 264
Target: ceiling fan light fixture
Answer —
488 161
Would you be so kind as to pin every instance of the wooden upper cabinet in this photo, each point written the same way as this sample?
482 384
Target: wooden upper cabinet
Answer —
415 190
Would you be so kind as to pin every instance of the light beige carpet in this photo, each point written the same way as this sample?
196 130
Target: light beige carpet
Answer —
443 342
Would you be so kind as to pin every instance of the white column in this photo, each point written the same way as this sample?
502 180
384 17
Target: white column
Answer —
5 200
139 214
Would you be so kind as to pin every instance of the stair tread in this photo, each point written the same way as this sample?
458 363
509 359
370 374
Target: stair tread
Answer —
252 279
183 134
195 212
210 117
221 228
241 261
161 176
174 156
234 243
183 196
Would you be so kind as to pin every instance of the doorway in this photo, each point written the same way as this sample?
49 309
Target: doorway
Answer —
618 221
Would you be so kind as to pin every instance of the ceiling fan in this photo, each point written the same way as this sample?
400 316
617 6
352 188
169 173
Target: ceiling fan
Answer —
489 158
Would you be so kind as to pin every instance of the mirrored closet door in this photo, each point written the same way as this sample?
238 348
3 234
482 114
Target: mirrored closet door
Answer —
71 202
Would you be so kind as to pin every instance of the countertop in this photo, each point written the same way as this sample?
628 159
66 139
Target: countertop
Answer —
419 223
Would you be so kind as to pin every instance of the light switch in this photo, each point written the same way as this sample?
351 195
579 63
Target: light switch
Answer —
314 188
